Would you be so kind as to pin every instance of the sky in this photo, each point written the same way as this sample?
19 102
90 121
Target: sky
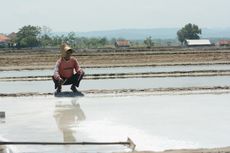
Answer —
99 15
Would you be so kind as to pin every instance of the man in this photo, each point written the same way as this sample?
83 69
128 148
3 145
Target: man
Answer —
67 70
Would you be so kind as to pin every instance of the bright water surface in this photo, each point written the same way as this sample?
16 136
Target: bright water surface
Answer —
136 69
109 84
152 122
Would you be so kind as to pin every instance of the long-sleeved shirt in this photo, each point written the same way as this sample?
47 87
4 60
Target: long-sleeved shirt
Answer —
65 69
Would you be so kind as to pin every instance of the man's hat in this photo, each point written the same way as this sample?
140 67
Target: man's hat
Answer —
64 48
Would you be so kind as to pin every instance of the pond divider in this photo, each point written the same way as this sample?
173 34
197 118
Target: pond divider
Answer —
129 143
147 91
129 75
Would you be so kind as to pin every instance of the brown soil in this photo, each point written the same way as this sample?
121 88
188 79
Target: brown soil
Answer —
45 59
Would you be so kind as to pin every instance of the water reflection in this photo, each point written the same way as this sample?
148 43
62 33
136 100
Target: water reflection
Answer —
136 69
67 116
2 117
6 148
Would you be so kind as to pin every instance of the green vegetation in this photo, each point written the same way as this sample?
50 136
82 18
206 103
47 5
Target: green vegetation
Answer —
28 36
149 42
189 31
34 36
42 37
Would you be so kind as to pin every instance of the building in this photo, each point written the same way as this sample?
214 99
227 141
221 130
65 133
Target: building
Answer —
12 36
12 43
224 43
122 44
197 42
4 40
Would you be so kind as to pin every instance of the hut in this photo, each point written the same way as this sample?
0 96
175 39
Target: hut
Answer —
197 42
4 40
224 43
122 44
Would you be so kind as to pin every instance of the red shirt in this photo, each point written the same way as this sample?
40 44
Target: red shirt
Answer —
65 69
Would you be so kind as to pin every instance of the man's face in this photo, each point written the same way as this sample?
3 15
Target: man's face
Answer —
68 54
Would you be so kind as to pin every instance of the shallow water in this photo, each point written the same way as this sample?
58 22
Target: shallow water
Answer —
110 84
152 122
136 69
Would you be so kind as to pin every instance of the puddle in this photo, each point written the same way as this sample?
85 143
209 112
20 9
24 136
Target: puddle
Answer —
152 122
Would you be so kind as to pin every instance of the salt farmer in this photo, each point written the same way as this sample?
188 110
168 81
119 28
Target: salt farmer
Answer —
67 70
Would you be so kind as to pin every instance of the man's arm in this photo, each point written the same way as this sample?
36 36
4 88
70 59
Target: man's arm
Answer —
56 70
76 66
78 70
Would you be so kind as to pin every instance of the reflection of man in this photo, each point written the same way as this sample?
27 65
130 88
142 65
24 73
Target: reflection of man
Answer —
2 117
66 116
6 148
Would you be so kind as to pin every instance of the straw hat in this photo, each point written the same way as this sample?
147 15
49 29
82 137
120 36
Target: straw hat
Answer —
64 48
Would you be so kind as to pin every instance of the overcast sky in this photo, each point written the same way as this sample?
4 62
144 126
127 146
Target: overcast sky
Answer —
94 15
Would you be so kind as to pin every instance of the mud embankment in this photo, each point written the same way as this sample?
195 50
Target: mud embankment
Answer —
45 59
129 75
131 92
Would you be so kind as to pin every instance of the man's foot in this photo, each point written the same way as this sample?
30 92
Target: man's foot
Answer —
58 90
73 88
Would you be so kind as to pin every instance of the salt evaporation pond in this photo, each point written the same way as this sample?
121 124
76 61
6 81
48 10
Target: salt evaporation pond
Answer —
111 84
136 69
152 122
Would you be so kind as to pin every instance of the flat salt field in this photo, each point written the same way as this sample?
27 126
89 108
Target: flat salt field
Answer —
152 122
135 69
111 84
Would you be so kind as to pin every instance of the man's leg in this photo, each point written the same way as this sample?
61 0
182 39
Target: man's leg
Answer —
79 76
75 80
57 85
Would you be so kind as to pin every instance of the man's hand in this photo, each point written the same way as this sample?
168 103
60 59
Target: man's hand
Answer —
60 81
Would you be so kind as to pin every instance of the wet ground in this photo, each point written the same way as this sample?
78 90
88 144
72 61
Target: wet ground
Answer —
109 70
152 122
113 84
202 78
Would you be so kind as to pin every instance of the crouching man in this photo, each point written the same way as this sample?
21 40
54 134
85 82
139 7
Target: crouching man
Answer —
67 70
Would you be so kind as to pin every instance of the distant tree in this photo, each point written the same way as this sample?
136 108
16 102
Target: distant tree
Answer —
45 40
27 36
45 30
45 36
149 42
71 39
112 41
56 40
12 42
93 42
135 43
103 41
189 31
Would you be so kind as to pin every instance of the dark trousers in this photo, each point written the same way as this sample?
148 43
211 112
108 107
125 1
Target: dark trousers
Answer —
74 80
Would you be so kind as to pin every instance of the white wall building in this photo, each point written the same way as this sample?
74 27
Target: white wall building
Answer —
197 42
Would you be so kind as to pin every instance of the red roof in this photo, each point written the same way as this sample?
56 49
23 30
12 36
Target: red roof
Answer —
224 42
121 43
4 38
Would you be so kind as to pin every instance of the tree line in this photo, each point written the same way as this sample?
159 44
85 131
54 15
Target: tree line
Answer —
35 36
